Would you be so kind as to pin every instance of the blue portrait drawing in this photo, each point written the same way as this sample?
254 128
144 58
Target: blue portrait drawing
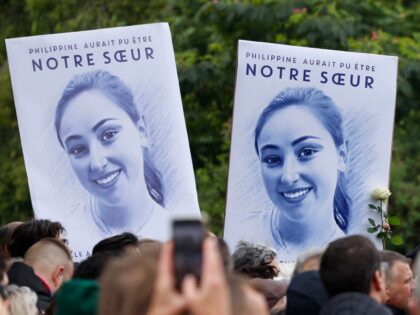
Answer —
103 132
311 138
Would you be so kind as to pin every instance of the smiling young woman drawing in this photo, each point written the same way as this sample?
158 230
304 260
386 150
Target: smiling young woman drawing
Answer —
104 137
302 152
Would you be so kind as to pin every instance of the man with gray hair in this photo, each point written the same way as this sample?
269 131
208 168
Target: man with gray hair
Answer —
47 264
398 281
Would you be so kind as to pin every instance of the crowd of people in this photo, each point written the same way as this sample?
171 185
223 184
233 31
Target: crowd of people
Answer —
130 276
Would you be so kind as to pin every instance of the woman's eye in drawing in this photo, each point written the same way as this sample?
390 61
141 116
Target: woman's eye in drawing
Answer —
109 135
272 160
307 153
77 150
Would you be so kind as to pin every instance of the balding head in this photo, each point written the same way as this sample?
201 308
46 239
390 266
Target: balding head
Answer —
51 260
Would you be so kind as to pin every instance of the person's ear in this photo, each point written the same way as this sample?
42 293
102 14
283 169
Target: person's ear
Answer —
378 281
58 276
342 157
144 137
380 285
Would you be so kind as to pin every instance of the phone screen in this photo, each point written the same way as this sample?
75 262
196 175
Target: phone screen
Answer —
188 238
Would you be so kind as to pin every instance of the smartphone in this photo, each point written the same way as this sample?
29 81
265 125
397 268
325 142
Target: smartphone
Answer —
188 235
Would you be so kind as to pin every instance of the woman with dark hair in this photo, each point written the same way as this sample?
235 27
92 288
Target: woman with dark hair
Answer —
100 129
302 151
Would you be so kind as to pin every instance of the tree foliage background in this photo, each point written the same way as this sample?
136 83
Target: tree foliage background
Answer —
205 35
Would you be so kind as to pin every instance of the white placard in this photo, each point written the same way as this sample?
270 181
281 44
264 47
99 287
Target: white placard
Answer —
103 132
312 137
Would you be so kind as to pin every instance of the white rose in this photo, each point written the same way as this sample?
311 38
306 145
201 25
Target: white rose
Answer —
381 193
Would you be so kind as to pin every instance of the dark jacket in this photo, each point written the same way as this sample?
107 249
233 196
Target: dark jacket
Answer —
353 303
23 275
306 294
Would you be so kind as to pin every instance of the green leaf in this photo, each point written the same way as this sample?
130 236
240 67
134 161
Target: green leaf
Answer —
372 222
373 206
372 229
394 220
380 234
397 240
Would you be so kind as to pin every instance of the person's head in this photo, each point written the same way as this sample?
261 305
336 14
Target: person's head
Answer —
301 146
147 245
93 266
351 264
30 232
398 278
51 260
127 285
118 244
22 300
107 146
255 261
309 261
